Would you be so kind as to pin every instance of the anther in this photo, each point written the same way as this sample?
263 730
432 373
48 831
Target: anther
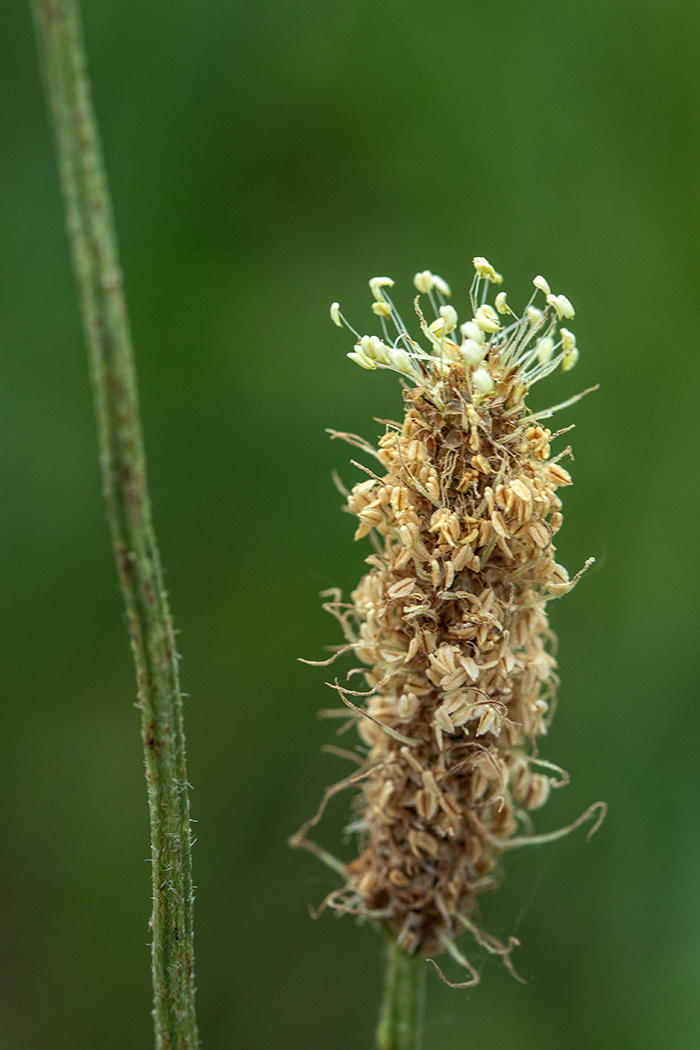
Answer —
485 270
377 283
487 319
568 339
501 304
441 285
361 360
449 316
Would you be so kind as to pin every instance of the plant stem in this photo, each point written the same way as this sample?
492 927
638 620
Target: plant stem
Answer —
403 1005
103 307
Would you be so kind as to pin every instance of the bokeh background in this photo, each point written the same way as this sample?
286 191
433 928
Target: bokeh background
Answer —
266 159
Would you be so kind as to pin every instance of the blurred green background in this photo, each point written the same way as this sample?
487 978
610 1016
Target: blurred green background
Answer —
266 159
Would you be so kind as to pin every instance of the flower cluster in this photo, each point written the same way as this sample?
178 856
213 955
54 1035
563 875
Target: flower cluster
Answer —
529 347
450 620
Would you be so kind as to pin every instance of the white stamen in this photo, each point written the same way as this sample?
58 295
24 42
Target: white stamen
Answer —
361 360
424 281
568 339
562 305
438 328
401 361
487 319
501 304
514 349
377 283
485 270
565 306
374 349
449 316
441 286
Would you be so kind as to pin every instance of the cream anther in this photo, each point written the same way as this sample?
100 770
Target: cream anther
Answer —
441 286
438 328
487 319
449 316
377 283
562 305
401 361
569 360
501 304
568 339
374 349
485 270
360 359
424 281
565 306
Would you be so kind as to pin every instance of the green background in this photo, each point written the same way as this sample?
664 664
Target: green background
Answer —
266 159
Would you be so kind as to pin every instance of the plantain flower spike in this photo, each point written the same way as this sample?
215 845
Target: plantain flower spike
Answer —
450 623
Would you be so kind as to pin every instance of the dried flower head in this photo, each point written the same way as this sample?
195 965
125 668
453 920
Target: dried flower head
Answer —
450 622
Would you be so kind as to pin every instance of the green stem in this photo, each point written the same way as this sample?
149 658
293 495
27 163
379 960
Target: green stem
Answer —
99 280
403 1006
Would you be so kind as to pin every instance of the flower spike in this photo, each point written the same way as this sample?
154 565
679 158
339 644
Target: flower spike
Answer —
450 622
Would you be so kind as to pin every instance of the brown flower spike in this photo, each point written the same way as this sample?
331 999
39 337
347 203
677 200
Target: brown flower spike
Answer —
450 621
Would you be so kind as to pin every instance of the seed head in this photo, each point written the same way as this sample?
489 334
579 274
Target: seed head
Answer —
450 621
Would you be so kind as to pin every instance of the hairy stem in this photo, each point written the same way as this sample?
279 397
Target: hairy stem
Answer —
401 1017
99 280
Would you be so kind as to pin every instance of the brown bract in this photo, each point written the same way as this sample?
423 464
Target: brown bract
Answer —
450 625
